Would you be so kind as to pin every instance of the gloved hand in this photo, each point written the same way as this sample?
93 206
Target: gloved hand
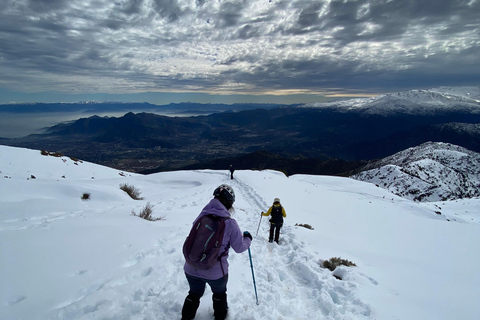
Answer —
248 235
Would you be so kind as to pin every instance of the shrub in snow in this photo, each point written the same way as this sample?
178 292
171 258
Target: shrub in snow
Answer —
132 191
53 154
337 261
146 213
304 225
86 196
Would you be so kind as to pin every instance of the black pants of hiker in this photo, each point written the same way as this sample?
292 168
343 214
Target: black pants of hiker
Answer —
197 288
274 229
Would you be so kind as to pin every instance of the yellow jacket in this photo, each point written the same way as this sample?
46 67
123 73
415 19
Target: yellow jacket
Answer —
269 212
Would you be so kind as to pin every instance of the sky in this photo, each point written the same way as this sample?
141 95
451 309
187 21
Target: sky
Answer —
163 51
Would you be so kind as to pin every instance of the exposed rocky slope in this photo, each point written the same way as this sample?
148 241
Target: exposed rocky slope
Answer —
413 102
433 171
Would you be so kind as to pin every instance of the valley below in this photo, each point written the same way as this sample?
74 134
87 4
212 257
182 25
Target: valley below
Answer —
336 138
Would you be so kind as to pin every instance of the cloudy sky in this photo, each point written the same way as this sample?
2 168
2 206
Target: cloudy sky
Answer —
211 50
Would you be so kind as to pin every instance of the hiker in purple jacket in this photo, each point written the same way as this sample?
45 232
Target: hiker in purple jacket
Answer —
217 276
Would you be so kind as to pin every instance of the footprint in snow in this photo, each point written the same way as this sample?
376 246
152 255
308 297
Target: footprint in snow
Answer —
77 273
16 300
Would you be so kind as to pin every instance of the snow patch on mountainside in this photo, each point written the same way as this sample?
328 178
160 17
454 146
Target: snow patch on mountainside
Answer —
414 102
46 165
433 171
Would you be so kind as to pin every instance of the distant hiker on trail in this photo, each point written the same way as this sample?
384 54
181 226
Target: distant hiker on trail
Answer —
276 221
210 265
231 171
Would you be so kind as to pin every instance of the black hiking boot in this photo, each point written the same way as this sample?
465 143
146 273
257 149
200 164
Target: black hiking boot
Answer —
190 307
220 306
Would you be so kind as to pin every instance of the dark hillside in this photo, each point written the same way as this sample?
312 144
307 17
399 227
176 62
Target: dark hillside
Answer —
296 139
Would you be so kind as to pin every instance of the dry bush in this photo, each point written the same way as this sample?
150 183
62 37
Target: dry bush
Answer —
146 213
333 263
53 154
132 191
304 225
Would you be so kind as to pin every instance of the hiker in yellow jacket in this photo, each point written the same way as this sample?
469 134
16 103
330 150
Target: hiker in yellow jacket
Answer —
276 221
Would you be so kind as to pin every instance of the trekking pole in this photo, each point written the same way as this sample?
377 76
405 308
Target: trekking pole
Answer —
253 275
261 216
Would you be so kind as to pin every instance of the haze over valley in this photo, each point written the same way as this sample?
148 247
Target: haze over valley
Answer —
323 138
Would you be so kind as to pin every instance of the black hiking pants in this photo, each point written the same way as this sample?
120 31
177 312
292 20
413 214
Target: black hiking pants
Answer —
274 231
197 288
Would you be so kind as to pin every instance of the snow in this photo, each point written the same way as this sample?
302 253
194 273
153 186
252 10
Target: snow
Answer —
413 102
432 171
66 258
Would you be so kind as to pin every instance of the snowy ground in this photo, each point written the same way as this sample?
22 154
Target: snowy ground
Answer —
66 258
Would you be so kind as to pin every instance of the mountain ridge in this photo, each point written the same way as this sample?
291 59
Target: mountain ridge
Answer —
433 171
413 102
142 142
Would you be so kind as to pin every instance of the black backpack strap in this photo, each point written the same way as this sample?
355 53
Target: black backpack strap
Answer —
226 249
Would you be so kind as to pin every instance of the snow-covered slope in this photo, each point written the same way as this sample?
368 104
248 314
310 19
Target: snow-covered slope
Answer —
415 102
433 171
32 164
66 258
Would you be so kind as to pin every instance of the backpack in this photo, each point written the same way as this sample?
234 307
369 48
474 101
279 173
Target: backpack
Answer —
277 216
202 246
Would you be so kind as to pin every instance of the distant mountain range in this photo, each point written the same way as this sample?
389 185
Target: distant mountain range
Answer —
329 138
433 171
414 102
115 106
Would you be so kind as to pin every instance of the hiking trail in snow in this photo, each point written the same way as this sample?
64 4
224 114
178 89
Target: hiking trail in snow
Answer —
290 282
71 259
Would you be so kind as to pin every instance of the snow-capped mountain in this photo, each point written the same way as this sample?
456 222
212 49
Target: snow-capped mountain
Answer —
433 171
413 102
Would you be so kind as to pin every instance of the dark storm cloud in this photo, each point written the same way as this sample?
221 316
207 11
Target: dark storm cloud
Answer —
310 16
45 5
230 14
168 9
247 32
391 18
294 74
238 45
131 7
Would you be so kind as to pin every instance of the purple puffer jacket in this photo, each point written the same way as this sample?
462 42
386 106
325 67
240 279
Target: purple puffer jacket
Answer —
233 237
